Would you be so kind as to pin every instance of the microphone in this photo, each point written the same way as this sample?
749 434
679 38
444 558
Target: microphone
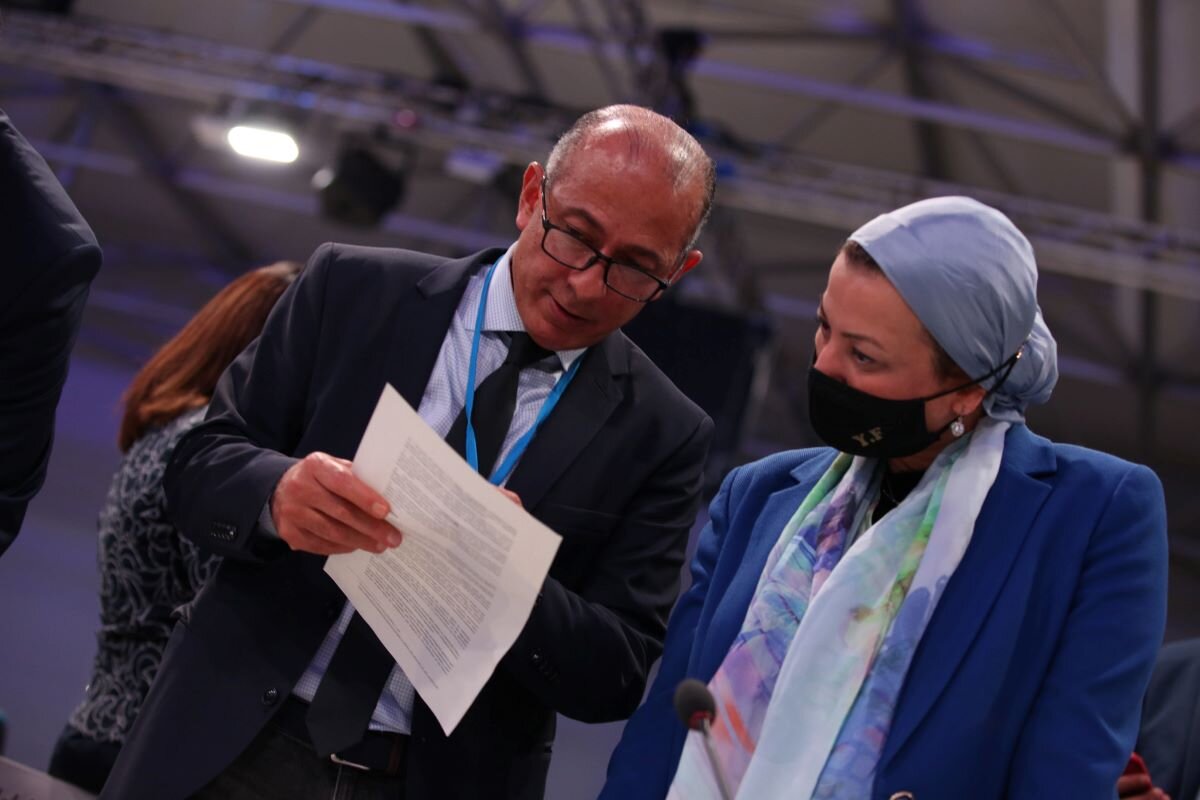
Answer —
697 708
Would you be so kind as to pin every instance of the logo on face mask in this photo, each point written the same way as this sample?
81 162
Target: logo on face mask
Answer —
868 438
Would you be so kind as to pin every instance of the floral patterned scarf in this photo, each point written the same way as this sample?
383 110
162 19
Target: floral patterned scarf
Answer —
806 693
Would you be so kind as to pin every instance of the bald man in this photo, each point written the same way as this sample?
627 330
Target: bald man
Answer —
272 685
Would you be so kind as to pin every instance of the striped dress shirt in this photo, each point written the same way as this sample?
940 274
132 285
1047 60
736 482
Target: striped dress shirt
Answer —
444 399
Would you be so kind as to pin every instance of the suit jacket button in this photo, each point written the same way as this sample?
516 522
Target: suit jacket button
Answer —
270 696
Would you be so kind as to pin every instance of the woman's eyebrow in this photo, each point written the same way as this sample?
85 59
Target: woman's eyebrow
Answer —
857 337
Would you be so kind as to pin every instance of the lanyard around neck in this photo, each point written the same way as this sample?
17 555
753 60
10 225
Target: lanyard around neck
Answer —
501 473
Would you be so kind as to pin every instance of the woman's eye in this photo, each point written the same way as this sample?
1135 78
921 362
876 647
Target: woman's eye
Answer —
861 357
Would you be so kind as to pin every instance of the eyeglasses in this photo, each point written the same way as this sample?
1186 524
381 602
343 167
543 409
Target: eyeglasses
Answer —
628 280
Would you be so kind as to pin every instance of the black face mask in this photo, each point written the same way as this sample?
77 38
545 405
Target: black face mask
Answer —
862 424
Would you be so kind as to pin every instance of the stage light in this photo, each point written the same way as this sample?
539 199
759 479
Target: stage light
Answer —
263 143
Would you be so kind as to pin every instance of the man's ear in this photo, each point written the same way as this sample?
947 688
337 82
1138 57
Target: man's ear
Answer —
693 258
689 263
530 200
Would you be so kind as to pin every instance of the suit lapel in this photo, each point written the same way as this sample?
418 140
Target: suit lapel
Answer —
430 308
584 408
579 415
1004 522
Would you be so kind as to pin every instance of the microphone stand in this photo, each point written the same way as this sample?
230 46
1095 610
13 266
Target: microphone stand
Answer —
718 773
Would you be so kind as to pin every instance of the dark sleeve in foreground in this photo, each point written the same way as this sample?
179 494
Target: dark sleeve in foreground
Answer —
49 259
587 653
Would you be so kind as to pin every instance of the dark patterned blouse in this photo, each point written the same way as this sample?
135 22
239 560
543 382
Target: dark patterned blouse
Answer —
147 570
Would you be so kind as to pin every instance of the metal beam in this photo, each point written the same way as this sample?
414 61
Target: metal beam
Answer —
630 39
408 13
1185 123
459 238
839 204
1094 70
462 239
1038 102
299 25
978 51
82 127
86 49
841 196
1148 378
608 74
558 37
910 31
209 183
448 68
989 155
511 30
836 31
808 122
889 103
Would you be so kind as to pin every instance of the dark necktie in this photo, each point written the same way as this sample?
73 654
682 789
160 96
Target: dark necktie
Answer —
350 688
495 401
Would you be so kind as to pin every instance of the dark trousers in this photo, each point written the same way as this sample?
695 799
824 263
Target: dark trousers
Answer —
280 766
83 761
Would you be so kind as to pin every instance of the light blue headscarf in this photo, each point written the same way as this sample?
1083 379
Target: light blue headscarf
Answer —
970 277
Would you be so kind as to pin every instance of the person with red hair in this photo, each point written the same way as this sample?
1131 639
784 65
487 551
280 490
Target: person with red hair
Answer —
148 571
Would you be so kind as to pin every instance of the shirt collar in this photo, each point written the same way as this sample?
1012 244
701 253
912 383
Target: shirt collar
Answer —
501 312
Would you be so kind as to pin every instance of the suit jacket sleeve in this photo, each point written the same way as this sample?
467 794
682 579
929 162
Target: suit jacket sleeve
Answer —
224 471
644 761
1105 653
587 652
50 258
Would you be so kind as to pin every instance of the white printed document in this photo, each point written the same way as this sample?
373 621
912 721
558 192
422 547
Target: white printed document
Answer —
450 600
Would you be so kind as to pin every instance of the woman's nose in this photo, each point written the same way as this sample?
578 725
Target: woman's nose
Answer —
826 362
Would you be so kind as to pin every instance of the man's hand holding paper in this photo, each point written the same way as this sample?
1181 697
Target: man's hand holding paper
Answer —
321 507
449 602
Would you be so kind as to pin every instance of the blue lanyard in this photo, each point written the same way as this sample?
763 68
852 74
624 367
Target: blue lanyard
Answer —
500 474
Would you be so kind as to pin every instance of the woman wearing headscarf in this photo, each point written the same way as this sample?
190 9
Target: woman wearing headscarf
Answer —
940 604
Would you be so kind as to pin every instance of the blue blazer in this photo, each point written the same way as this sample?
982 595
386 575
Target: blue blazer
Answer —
1029 678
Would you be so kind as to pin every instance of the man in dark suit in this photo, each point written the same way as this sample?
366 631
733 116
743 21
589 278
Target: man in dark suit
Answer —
262 690
50 257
